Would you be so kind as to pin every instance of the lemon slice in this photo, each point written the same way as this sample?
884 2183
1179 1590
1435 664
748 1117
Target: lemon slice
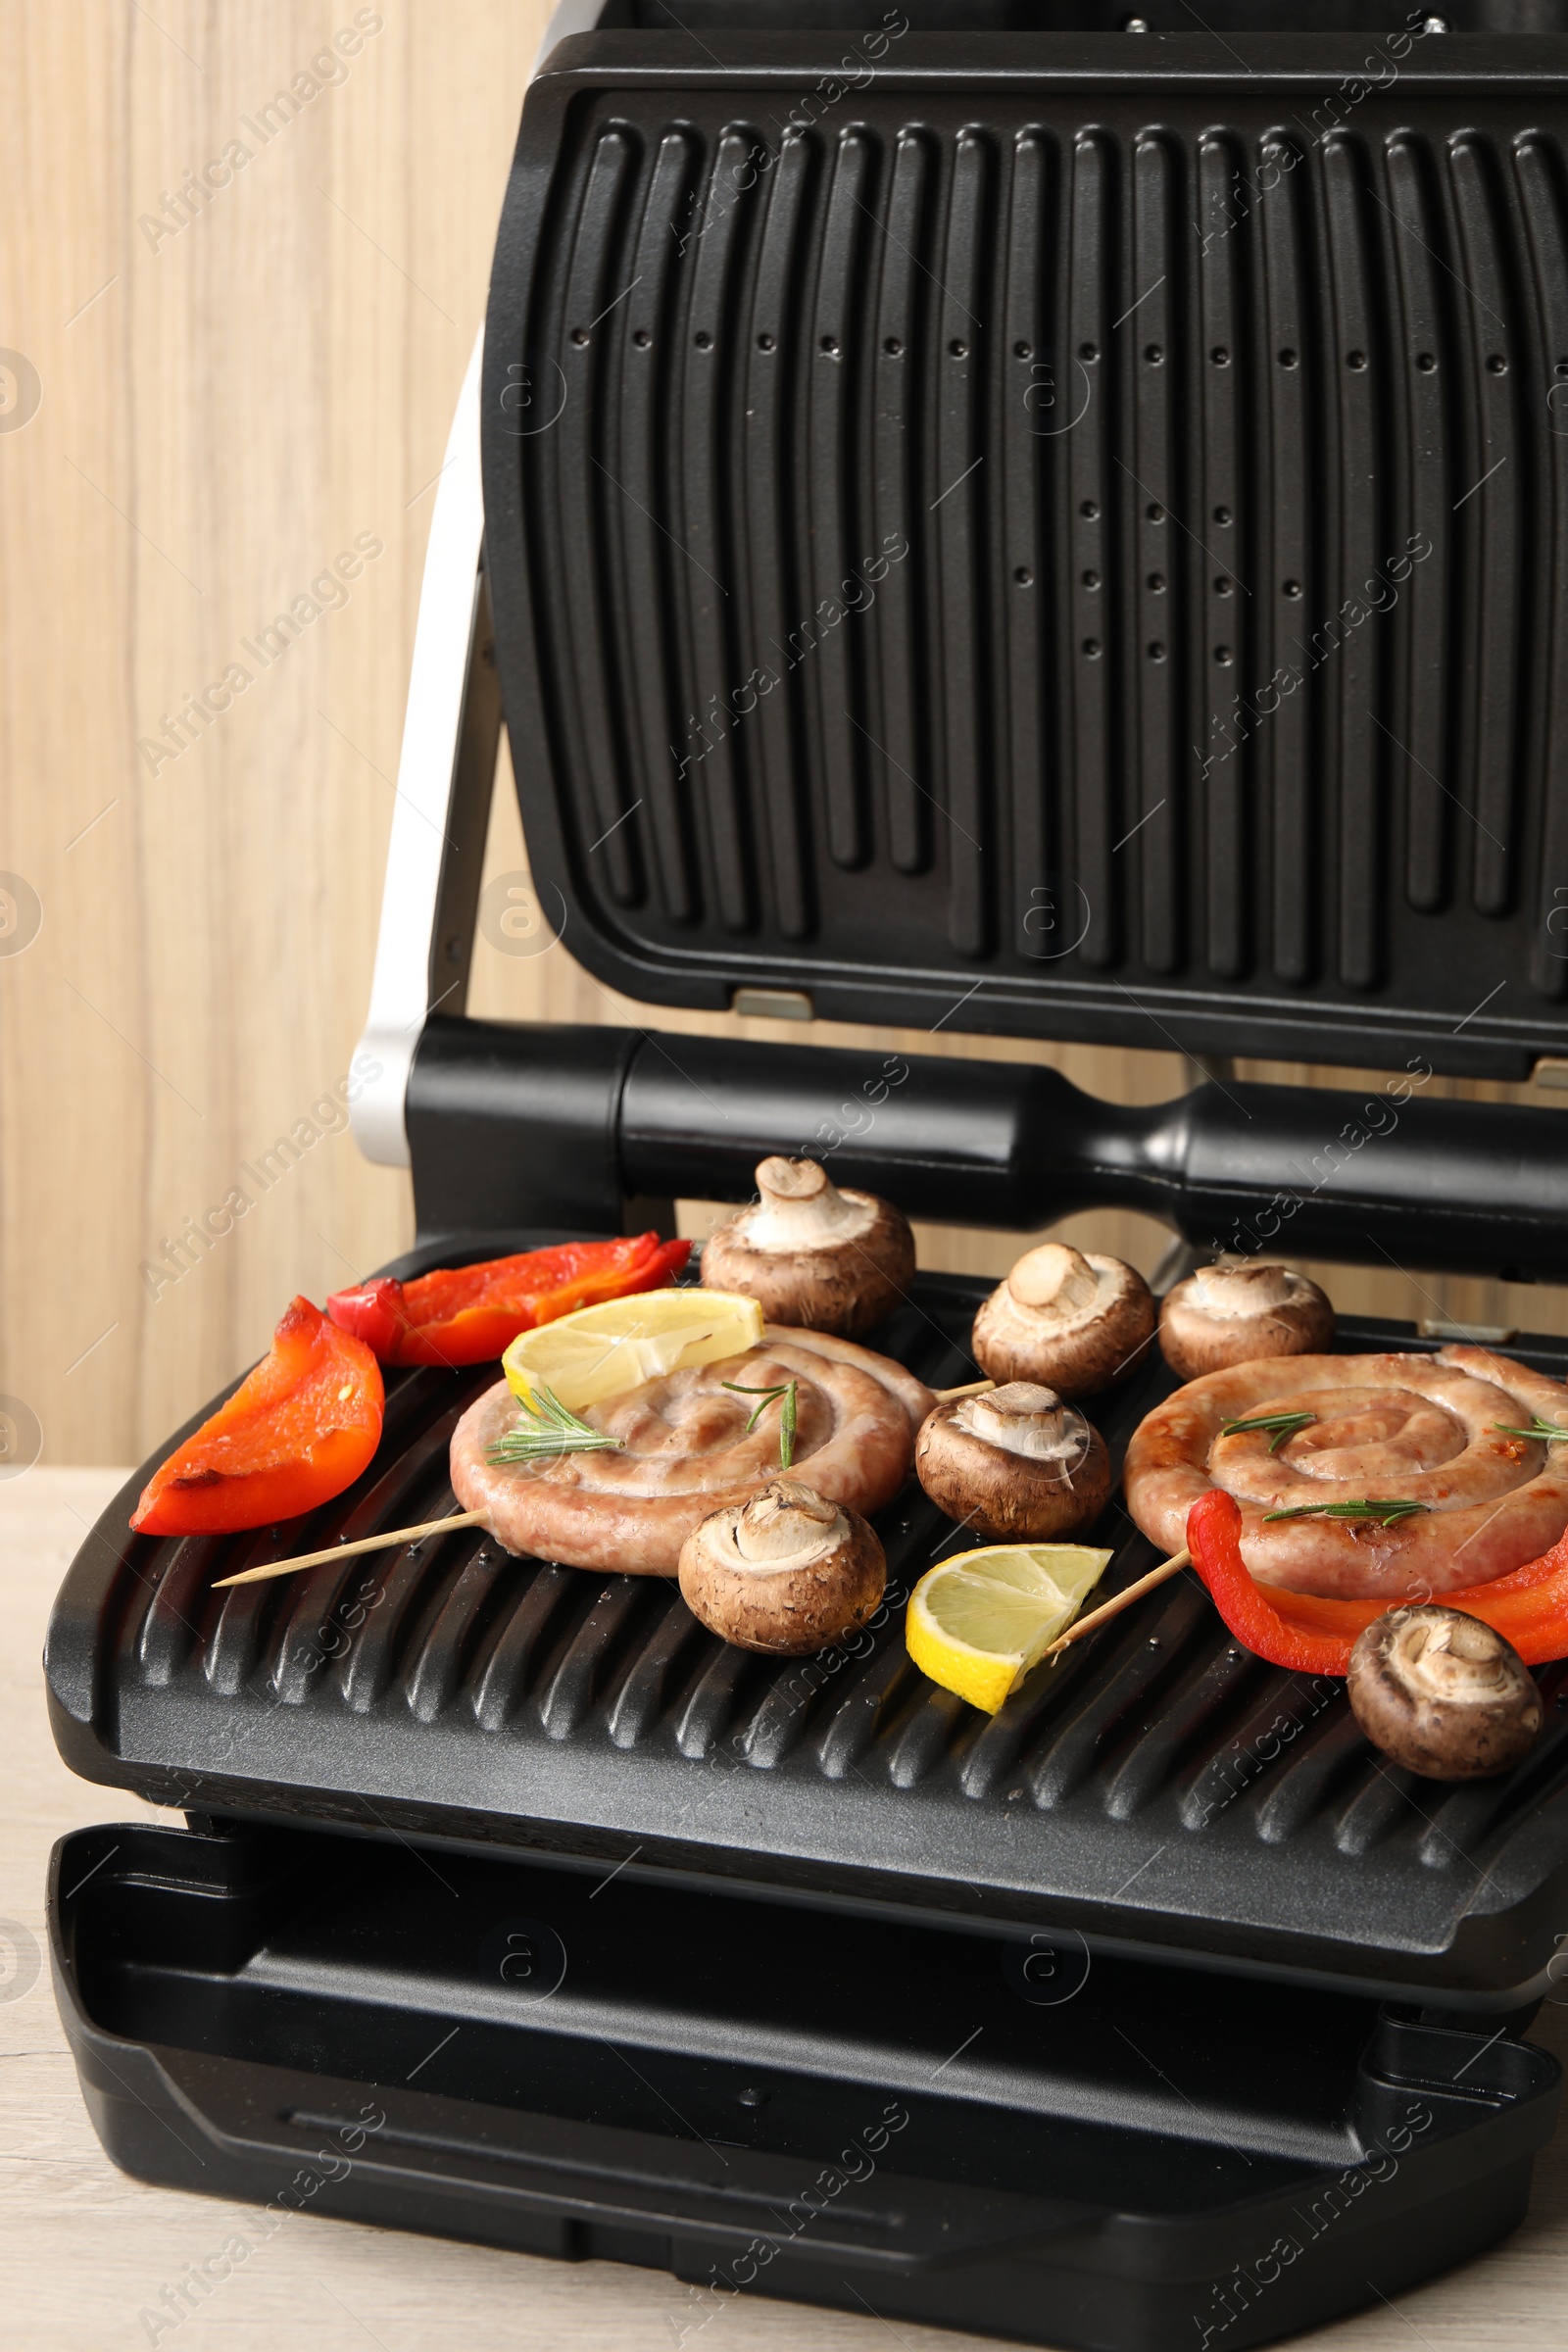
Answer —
606 1350
978 1623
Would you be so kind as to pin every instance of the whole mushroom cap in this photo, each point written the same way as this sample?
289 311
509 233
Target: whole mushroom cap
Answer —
815 1258
1016 1466
784 1573
1224 1316
1443 1694
1073 1320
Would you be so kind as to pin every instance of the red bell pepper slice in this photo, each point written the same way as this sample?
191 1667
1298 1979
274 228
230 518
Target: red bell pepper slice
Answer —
1312 1635
471 1314
297 1431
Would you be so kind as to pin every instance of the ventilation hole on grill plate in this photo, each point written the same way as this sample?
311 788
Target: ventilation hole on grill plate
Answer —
1220 355
703 339
1156 652
1089 351
1291 588
1091 579
1222 587
1092 648
1222 514
1156 513
1089 510
1024 577
1223 656
641 337
579 335
1355 358
1426 361
1154 355
1156 583
958 348
830 344
765 342
1023 351
1288 359
892 347
1497 365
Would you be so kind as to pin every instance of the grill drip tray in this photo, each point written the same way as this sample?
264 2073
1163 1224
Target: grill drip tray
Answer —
1013 2136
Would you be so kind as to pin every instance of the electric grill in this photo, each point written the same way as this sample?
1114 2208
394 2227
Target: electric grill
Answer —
978 518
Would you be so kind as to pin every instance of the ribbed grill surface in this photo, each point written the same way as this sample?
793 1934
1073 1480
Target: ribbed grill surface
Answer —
1159 1768
1198 470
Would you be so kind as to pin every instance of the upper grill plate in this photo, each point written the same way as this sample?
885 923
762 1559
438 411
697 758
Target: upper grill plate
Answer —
1068 525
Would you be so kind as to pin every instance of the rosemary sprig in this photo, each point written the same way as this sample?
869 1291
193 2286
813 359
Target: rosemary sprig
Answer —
787 1389
547 1429
1287 1424
1538 1428
1387 1514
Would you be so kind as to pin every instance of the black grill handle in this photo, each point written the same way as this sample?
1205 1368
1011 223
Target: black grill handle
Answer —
554 1126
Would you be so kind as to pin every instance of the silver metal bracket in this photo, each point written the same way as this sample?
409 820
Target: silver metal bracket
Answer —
445 771
446 775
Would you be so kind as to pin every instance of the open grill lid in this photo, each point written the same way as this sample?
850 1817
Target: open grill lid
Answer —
1160 1789
1070 523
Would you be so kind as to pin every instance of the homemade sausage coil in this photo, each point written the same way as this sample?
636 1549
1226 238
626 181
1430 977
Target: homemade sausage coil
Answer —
688 1452
1451 1437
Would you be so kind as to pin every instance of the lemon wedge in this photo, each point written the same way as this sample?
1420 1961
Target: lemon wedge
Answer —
979 1622
606 1350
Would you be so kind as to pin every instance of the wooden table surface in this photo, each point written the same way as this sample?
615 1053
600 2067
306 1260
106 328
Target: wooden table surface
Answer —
88 2252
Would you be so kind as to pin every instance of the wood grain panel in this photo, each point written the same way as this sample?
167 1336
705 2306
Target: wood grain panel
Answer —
227 406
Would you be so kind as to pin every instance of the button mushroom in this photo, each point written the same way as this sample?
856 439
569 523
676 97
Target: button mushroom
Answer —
1224 1316
1443 1694
1017 1465
785 1573
1075 1321
819 1259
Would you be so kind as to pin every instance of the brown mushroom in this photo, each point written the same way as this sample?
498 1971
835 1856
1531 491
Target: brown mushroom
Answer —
1017 1465
1443 1694
1224 1316
784 1573
1070 1319
818 1260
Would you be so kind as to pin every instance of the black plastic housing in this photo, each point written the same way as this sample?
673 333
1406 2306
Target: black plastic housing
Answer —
1068 525
905 2120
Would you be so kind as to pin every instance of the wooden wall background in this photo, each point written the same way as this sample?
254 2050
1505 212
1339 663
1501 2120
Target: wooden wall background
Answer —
221 411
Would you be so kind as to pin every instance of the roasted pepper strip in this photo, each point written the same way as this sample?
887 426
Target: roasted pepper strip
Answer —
469 1314
1312 1635
297 1431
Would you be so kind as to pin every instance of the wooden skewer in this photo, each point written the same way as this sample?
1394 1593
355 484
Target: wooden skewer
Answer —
1123 1600
347 1552
432 1527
